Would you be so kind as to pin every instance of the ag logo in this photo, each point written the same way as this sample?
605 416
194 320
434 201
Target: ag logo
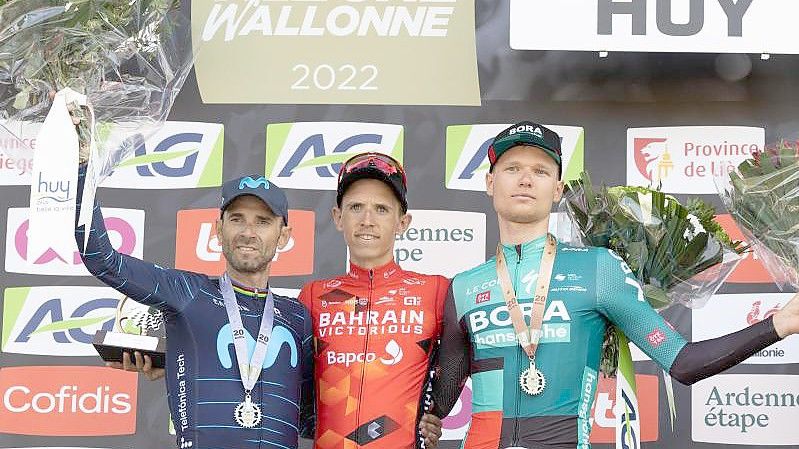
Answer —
308 155
125 230
56 321
178 155
467 153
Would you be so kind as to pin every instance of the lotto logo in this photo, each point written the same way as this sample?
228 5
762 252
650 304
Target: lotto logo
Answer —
198 249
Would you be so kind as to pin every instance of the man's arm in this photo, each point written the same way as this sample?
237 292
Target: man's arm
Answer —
144 282
621 300
453 360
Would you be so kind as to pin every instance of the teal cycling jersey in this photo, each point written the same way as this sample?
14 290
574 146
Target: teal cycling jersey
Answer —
590 288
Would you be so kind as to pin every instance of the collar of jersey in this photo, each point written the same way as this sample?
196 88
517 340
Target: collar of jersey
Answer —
385 271
249 291
534 247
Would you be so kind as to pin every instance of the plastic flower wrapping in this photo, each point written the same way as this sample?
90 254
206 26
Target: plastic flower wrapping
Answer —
762 195
678 253
125 60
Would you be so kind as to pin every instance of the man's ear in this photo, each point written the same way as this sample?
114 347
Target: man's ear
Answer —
558 192
336 214
285 236
404 223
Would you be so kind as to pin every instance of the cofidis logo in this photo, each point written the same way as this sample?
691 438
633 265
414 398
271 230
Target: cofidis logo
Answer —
67 401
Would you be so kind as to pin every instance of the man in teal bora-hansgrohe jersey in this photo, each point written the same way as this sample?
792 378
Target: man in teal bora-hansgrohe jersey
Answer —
537 290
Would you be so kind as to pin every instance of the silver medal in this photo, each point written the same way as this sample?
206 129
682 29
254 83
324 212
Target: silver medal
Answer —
532 380
247 413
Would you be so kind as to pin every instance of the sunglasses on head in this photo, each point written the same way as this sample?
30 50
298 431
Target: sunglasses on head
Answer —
382 162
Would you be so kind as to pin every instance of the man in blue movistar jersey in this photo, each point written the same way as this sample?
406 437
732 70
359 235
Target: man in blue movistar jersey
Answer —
533 389
212 402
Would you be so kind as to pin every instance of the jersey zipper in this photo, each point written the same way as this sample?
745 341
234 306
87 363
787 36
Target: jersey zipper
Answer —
365 347
518 364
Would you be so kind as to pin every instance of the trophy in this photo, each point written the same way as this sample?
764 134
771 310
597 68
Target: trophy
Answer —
130 334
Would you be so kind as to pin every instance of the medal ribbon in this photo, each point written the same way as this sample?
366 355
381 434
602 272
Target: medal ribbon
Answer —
528 336
249 369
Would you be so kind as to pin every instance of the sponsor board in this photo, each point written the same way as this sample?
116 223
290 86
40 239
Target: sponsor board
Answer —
71 400
57 320
603 412
687 159
308 155
456 424
746 409
467 153
703 26
176 155
198 249
17 144
725 314
607 409
435 235
336 52
125 230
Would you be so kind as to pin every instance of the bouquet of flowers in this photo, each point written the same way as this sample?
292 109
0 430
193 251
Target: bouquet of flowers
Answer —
762 195
129 58
83 76
678 253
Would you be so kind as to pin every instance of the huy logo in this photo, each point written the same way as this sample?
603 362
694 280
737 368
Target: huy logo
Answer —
467 153
47 190
73 400
687 159
174 156
56 321
308 155
728 313
607 409
125 230
197 247
652 158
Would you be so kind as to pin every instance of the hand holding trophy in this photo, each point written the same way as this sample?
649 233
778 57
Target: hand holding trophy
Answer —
131 344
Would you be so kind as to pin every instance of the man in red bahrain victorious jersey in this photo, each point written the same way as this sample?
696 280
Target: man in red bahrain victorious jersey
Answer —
375 327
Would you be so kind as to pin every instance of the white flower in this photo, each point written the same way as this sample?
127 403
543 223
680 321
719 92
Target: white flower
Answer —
695 229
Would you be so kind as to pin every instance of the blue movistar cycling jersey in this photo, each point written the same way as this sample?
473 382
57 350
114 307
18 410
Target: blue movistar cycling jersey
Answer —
202 373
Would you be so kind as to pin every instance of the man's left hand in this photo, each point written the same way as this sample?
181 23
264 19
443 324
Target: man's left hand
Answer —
786 321
430 428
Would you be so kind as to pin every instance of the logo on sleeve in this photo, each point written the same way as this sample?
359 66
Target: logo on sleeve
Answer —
656 338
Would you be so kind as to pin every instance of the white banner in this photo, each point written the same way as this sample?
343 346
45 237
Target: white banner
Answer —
699 26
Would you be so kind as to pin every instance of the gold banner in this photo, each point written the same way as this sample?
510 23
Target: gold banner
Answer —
400 52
